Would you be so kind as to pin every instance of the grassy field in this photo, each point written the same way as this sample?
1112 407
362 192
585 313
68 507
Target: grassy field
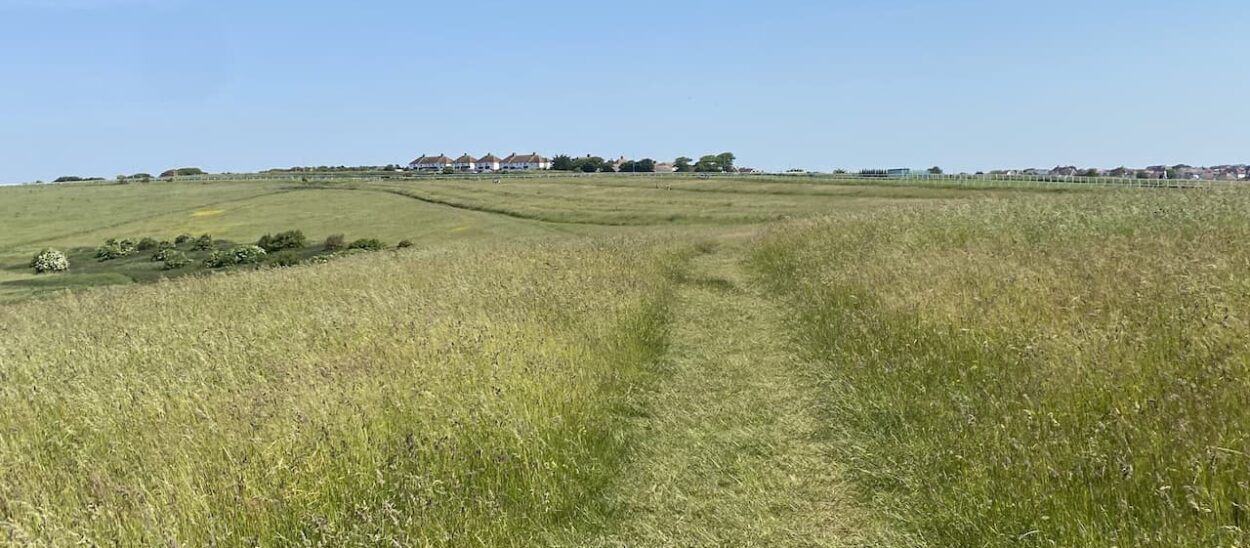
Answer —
630 361
1070 372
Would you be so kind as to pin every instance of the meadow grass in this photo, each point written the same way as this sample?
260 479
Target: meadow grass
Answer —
643 201
1068 371
466 397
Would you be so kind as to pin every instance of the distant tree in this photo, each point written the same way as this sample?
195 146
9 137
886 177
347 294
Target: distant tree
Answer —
608 167
935 170
563 162
683 164
182 172
708 164
1091 172
589 164
646 165
1172 173
716 163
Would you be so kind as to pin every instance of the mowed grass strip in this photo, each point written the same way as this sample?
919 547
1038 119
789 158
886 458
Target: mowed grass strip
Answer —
628 201
428 398
1070 372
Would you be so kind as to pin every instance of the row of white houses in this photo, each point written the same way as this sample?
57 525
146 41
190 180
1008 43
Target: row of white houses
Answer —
490 162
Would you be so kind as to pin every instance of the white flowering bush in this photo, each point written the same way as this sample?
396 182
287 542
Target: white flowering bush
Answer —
49 260
248 254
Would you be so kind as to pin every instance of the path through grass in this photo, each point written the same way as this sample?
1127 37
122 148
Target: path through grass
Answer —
728 455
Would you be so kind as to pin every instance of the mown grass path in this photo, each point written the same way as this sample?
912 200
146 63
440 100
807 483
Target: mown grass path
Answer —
730 455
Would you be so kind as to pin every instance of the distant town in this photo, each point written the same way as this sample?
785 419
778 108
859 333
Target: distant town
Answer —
725 162
1235 172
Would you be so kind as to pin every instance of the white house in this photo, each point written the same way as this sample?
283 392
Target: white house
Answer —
489 162
525 162
431 163
465 163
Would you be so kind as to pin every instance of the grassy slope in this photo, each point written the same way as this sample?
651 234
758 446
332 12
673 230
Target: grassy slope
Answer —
1049 372
239 212
1063 369
418 398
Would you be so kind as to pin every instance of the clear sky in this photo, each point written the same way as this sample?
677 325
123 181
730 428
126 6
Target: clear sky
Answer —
105 87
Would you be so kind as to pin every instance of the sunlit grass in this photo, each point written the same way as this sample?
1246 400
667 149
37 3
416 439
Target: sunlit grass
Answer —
458 398
1066 372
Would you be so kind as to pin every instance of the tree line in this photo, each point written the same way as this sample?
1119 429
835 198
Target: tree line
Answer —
711 163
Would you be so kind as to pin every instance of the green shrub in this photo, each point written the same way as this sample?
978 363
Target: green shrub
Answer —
203 243
291 239
163 252
248 254
405 244
146 244
49 260
368 244
284 258
219 259
111 251
174 259
182 239
335 242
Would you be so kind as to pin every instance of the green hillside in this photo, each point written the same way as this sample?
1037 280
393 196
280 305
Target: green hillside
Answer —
626 361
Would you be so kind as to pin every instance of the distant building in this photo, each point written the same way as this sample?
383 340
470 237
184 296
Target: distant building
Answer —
465 163
431 163
665 167
489 162
525 162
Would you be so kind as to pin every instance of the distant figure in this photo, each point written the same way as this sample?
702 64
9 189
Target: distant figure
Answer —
496 180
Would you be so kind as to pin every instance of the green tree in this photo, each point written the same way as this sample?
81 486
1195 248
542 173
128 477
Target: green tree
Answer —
935 170
708 164
562 162
683 164
726 160
588 164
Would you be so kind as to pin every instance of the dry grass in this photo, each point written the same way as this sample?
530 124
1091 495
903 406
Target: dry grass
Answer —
1064 371
466 398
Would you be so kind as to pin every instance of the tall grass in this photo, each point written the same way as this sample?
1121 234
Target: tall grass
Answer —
448 398
1068 371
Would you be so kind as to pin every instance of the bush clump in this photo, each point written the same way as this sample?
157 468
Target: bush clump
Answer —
284 258
291 239
182 239
335 242
404 244
163 252
203 243
174 259
248 254
48 261
147 244
368 244
219 259
114 249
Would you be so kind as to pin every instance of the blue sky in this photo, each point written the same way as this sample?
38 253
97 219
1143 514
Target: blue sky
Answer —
104 87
